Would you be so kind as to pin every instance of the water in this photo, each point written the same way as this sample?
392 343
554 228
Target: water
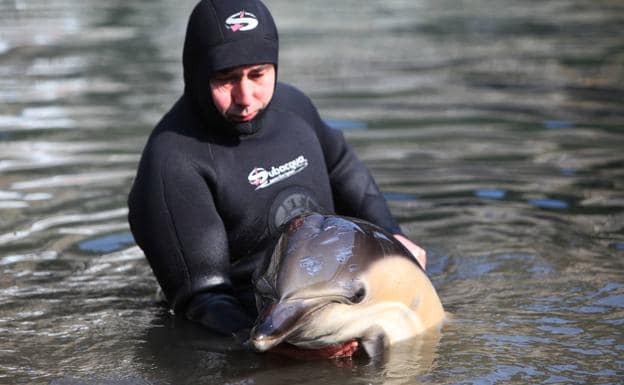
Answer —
494 127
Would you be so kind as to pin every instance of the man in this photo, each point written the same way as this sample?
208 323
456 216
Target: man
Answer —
237 156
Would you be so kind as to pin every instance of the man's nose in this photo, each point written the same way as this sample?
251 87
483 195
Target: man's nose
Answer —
243 92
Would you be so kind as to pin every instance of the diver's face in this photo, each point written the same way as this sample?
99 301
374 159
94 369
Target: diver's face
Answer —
240 93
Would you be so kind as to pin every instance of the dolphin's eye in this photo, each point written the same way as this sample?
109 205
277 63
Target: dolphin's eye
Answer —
358 296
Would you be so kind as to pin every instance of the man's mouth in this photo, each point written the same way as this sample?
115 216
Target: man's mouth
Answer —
241 118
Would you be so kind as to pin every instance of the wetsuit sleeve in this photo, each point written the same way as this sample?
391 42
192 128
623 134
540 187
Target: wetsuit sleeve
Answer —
174 220
354 190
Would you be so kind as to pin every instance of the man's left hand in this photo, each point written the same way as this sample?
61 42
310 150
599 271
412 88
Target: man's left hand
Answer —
418 252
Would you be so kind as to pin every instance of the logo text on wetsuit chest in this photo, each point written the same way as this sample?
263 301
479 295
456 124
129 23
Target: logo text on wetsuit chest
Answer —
262 178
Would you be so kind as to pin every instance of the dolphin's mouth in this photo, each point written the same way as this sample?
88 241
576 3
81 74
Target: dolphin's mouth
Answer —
335 351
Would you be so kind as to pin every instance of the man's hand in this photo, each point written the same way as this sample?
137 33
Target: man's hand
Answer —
418 252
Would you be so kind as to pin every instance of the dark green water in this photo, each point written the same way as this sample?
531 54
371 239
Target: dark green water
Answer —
496 129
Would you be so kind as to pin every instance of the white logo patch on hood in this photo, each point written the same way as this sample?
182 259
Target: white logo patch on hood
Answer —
262 178
241 21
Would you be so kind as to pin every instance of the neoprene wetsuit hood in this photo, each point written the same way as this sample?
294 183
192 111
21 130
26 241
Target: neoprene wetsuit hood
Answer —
223 34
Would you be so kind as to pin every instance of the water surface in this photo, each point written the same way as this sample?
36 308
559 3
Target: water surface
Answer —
495 128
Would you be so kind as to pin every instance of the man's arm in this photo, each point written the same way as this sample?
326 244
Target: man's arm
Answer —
174 220
354 190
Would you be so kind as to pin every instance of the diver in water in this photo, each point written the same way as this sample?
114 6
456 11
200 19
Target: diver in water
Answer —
237 156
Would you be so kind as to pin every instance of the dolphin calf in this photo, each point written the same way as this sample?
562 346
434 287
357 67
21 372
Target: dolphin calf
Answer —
333 279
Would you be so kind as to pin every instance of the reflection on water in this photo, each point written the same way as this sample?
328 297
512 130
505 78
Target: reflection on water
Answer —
494 129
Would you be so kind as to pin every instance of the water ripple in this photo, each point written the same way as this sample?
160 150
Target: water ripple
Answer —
74 179
54 221
32 257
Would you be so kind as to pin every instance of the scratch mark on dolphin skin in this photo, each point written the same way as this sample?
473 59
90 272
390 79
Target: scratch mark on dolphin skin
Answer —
377 234
343 255
415 303
330 240
348 285
312 265
341 225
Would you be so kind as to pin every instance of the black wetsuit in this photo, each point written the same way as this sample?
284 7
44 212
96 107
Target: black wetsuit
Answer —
210 195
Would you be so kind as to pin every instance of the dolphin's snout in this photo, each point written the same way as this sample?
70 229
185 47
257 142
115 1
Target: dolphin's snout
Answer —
261 342
275 324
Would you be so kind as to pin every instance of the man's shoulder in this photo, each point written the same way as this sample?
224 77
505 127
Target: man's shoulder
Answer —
160 153
291 98
289 89
168 140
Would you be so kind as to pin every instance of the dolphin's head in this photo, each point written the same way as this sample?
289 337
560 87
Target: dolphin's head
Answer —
315 290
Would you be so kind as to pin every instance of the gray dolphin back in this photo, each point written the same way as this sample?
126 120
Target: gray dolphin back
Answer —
315 249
